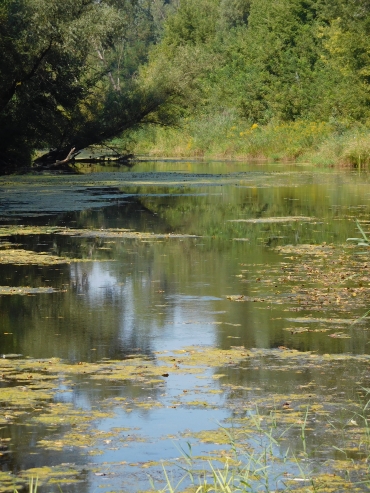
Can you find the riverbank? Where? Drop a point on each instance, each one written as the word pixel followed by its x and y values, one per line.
pixel 223 136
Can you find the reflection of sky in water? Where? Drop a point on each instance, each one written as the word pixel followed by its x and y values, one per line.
pixel 186 319
pixel 99 278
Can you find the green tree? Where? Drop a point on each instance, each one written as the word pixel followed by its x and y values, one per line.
pixel 346 58
pixel 68 77
pixel 283 51
pixel 275 61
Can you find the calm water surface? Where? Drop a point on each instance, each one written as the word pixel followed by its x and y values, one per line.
pixel 141 296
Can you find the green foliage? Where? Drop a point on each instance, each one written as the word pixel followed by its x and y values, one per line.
pixel 68 73
pixel 193 23
pixel 272 62
pixel 364 240
pixel 168 62
pixel 43 77
pixel 32 485
pixel 224 134
pixel 234 12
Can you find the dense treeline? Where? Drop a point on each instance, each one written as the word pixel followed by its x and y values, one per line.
pixel 296 69
pixel 285 59
pixel 79 72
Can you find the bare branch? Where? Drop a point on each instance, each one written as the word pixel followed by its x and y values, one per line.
pixel 110 76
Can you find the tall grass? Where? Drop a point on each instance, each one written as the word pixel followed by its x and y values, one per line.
pixel 225 135
pixel 32 485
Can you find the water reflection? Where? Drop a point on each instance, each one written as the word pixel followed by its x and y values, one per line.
pixel 140 297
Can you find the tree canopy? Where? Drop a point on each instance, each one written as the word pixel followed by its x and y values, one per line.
pixel 79 72
pixel 69 72
pixel 280 60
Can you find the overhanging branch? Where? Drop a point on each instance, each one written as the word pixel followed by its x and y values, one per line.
pixel 9 93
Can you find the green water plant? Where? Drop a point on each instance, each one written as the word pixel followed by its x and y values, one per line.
pixel 257 457
pixel 364 240
pixel 32 485
pixel 247 465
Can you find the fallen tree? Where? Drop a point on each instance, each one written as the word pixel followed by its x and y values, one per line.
pixel 50 162
pixel 123 110
pixel 51 159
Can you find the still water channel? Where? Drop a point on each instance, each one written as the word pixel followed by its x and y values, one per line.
pixel 205 270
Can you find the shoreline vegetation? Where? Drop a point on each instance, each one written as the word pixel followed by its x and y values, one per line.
pixel 256 79
pixel 319 143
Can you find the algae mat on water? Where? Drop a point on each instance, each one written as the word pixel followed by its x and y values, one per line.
pixel 35 195
pixel 20 256
pixel 84 233
pixel 30 388
pixel 324 279
pixel 25 290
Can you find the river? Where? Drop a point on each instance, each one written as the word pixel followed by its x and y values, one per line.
pixel 172 263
